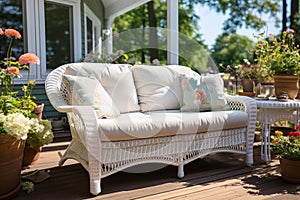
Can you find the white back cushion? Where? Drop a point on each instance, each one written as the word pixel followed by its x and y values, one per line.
pixel 115 78
pixel 159 87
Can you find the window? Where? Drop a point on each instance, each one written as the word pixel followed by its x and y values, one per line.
pixel 89 34
pixel 59 34
pixel 92 32
pixel 54 34
pixel 11 12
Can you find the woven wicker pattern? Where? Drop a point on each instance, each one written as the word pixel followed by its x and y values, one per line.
pixel 270 112
pixel 102 159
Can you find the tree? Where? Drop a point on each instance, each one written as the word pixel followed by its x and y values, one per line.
pixel 284 18
pixel 243 13
pixel 231 49
pixel 154 14
pixel 294 14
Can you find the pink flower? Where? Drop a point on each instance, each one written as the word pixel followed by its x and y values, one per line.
pixel 1 31
pixel 290 31
pixel 199 94
pixel 12 33
pixel 14 71
pixel 231 84
pixel 228 67
pixel 28 58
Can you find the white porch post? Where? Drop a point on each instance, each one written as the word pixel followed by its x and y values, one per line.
pixel 172 25
pixel 109 38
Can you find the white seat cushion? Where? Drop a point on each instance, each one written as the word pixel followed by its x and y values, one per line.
pixel 115 78
pixel 166 123
pixel 159 87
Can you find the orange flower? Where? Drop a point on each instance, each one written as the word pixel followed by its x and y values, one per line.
pixel 12 33
pixel 14 71
pixel 1 31
pixel 28 58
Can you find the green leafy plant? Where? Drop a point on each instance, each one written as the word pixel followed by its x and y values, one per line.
pixel 287 147
pixel 278 55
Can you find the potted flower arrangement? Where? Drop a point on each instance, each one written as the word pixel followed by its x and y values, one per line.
pixel 248 73
pixel 279 56
pixel 287 149
pixel 17 120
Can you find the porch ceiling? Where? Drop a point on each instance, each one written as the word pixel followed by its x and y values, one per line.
pixel 114 8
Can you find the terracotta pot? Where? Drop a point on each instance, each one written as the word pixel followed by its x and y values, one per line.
pixel 39 110
pixel 288 84
pixel 10 165
pixel 290 170
pixel 30 155
pixel 248 85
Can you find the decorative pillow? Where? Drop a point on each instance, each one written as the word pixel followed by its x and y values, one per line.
pixel 203 93
pixel 88 91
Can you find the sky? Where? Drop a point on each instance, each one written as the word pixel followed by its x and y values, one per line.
pixel 211 24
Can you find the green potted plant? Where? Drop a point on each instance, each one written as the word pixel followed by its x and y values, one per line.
pixel 17 120
pixel 279 58
pixel 250 75
pixel 287 149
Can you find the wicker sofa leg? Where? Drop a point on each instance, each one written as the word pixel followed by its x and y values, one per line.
pixel 180 173
pixel 95 171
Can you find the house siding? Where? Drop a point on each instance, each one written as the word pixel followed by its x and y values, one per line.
pixel 40 94
pixel 39 90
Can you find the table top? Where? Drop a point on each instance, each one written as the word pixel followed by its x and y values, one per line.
pixel 275 103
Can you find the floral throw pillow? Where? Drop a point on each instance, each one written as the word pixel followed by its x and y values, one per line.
pixel 88 91
pixel 203 93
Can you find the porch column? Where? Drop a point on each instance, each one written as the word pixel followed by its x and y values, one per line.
pixel 108 35
pixel 172 25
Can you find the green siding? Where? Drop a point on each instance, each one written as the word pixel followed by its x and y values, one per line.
pixel 40 94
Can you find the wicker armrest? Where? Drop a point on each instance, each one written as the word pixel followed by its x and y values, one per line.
pixel 248 105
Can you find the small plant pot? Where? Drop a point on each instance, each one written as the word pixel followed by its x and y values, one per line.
pixel 30 155
pixel 290 170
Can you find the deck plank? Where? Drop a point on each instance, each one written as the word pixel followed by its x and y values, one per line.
pixel 220 176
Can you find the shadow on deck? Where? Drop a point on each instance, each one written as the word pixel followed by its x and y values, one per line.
pixel 218 176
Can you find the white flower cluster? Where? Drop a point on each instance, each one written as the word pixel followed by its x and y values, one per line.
pixel 16 124
pixel 36 126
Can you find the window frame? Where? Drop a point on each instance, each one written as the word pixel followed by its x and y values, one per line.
pixel 96 23
pixel 36 35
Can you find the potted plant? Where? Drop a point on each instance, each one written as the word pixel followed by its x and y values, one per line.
pixel 38 136
pixel 287 149
pixel 248 73
pixel 17 120
pixel 279 58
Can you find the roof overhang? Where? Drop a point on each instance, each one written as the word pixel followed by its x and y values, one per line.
pixel 115 8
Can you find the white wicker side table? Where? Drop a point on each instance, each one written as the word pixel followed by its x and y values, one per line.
pixel 271 111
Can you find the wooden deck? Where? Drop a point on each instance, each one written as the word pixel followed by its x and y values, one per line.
pixel 219 176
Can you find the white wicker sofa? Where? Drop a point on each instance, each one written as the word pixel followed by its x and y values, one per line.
pixel 121 116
